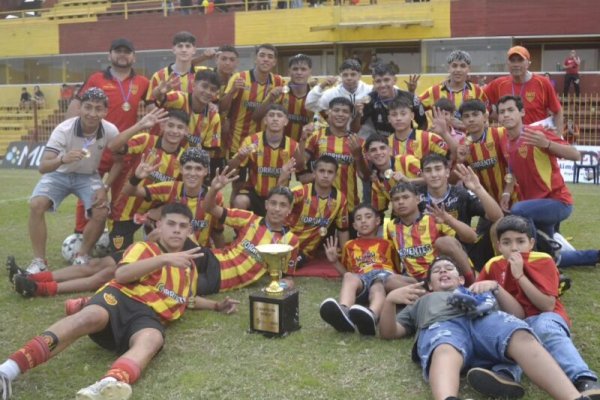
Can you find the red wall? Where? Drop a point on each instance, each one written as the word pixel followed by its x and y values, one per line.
pixel 524 17
pixel 146 31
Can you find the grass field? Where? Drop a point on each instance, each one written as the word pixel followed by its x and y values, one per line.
pixel 211 356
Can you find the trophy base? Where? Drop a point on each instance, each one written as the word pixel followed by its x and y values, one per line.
pixel 274 314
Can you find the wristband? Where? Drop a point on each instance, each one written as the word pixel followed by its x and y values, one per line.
pixel 134 180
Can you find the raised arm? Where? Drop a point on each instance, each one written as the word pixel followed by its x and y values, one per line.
pixel 154 117
pixel 221 179
pixel 493 212
pixel 465 233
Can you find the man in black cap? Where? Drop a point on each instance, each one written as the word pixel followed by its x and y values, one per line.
pixel 125 90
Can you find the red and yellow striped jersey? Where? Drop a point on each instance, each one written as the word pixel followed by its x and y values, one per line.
pixel 442 91
pixel 165 290
pixel 241 264
pixel 245 103
pixel 186 81
pixel 298 115
pixel 419 143
pixel 143 144
pixel 204 128
pixel 311 212
pixel 409 165
pixel 536 170
pixel 323 142
pixel 203 224
pixel 486 158
pixel 364 255
pixel 414 243
pixel 264 165
pixel 539 268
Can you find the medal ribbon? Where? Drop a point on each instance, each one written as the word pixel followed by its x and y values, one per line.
pixel 125 98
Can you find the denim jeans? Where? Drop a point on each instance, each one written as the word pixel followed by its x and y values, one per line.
pixel 544 213
pixel 572 258
pixel 553 332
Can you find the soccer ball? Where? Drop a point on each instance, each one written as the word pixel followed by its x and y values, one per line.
pixel 71 246
pixel 102 248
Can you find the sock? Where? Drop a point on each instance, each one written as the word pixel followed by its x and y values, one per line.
pixel 46 288
pixel 34 353
pixel 10 369
pixel 469 278
pixel 124 370
pixel 45 276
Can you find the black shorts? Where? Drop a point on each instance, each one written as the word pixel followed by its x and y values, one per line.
pixel 121 235
pixel 117 256
pixel 126 317
pixel 257 203
pixel 209 273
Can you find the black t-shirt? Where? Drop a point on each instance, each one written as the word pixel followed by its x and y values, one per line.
pixel 460 203
pixel 377 112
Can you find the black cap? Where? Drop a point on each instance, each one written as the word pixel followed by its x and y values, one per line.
pixel 122 42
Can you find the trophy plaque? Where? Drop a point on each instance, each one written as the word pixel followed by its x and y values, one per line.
pixel 274 311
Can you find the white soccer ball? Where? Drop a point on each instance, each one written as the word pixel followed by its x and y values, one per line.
pixel 102 248
pixel 71 246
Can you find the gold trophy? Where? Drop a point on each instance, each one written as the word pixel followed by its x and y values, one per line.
pixel 276 258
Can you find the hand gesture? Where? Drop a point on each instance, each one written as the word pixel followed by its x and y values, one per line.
pixel 399 176
pixel 227 306
pixel 355 146
pixel 468 176
pixel 439 124
pixel 462 152
pixel 156 116
pixel 412 82
pixel 245 151
pixel 288 169
pixel 145 167
pixel 329 81
pixel 438 212
pixel 535 138
pixel 223 178
pixel 275 92
pixel 239 84
pixel 359 109
pixel 306 131
pixel 407 294
pixel 209 53
pixel 184 259
pixel 483 286
pixel 505 203
pixel 515 261
pixel 167 86
pixel 331 248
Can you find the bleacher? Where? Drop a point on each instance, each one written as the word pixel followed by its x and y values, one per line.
pixel 18 124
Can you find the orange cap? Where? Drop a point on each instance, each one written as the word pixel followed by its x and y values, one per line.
pixel 520 50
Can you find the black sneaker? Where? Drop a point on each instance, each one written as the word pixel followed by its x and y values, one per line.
pixel 13 269
pixel 564 284
pixel 364 319
pixel 336 315
pixel 588 387
pixel 493 384
pixel 25 287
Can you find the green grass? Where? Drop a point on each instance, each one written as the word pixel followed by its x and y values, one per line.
pixel 211 356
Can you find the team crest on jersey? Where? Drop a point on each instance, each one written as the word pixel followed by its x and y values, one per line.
pixel 490 145
pixel 110 299
pixel 530 96
pixel 285 153
pixel 133 88
pixel 118 242
pixel 414 145
pixel 422 229
pixel 523 151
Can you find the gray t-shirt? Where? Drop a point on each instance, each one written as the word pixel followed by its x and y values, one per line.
pixel 426 311
pixel 68 135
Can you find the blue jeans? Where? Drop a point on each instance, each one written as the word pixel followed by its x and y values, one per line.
pixel 570 258
pixel 544 213
pixel 553 332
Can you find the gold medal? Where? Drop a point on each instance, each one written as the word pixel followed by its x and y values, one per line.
pixel 323 231
pixel 285 89
pixel 86 153
pixel 468 141
pixel 509 178
pixel 126 106
pixel 253 148
pixel 388 173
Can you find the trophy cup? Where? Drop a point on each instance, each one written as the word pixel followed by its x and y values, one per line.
pixel 274 310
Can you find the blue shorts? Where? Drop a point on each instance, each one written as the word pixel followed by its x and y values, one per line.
pixel 367 281
pixel 57 185
pixel 483 342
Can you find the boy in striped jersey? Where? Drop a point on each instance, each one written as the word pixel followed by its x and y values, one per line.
pixel 153 285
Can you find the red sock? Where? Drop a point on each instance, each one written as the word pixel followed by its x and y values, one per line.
pixel 45 276
pixel 34 353
pixel 469 278
pixel 124 370
pixel 46 288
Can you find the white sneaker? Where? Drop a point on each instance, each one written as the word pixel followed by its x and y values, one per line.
pixel 105 389
pixel 81 259
pixel 5 389
pixel 37 265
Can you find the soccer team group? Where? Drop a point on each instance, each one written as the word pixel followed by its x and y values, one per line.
pixel 482 300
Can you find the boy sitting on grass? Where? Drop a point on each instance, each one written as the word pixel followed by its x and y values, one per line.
pixel 367 266
pixel 531 278
pixel 449 341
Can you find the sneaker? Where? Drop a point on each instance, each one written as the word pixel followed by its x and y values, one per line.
pixel 105 390
pixel 5 389
pixel 24 286
pixel 494 384
pixel 474 305
pixel 336 315
pixel 588 387
pixel 364 319
pixel 13 269
pixel 81 259
pixel 564 284
pixel 73 306
pixel 37 265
